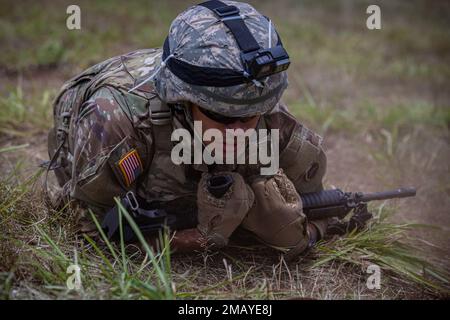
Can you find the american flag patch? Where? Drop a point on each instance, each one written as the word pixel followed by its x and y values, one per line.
pixel 131 166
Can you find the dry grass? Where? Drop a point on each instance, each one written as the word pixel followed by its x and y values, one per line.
pixel 380 99
pixel 38 244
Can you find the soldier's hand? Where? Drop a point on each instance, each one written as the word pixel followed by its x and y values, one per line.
pixel 219 217
pixel 277 218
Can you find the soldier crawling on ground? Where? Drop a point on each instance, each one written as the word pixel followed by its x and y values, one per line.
pixel 223 64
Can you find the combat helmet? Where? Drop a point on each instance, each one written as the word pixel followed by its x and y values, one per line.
pixel 225 57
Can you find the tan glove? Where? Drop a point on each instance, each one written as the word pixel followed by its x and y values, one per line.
pixel 219 217
pixel 276 217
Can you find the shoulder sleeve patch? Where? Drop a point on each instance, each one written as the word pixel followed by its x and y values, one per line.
pixel 130 166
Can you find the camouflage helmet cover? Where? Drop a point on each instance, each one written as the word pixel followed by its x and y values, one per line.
pixel 197 36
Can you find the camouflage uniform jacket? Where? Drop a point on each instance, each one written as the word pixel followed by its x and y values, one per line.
pixel 107 141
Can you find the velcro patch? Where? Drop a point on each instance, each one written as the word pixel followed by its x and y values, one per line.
pixel 314 138
pixel 130 166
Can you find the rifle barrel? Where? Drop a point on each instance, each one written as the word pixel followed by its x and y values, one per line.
pixel 397 193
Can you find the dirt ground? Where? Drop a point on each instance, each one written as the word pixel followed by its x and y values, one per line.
pixel 364 153
pixel 352 166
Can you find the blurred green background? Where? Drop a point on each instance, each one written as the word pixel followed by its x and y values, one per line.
pixel 341 71
pixel 380 98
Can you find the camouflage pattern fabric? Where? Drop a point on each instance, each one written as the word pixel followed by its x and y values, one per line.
pixel 98 123
pixel 198 37
pixel 110 123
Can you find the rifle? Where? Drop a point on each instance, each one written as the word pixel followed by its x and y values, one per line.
pixel 324 204
pixel 337 204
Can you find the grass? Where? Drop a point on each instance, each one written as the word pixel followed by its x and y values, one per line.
pixel 387 245
pixel 368 117
pixel 38 39
pixel 381 92
pixel 39 244
pixel 42 247
pixel 35 38
pixel 30 111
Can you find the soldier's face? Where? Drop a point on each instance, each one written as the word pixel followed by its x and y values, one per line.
pixel 208 123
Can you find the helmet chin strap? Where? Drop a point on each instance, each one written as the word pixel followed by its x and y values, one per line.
pixel 188 114
pixel 185 111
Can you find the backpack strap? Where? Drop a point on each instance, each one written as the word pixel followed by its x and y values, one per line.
pixel 161 118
